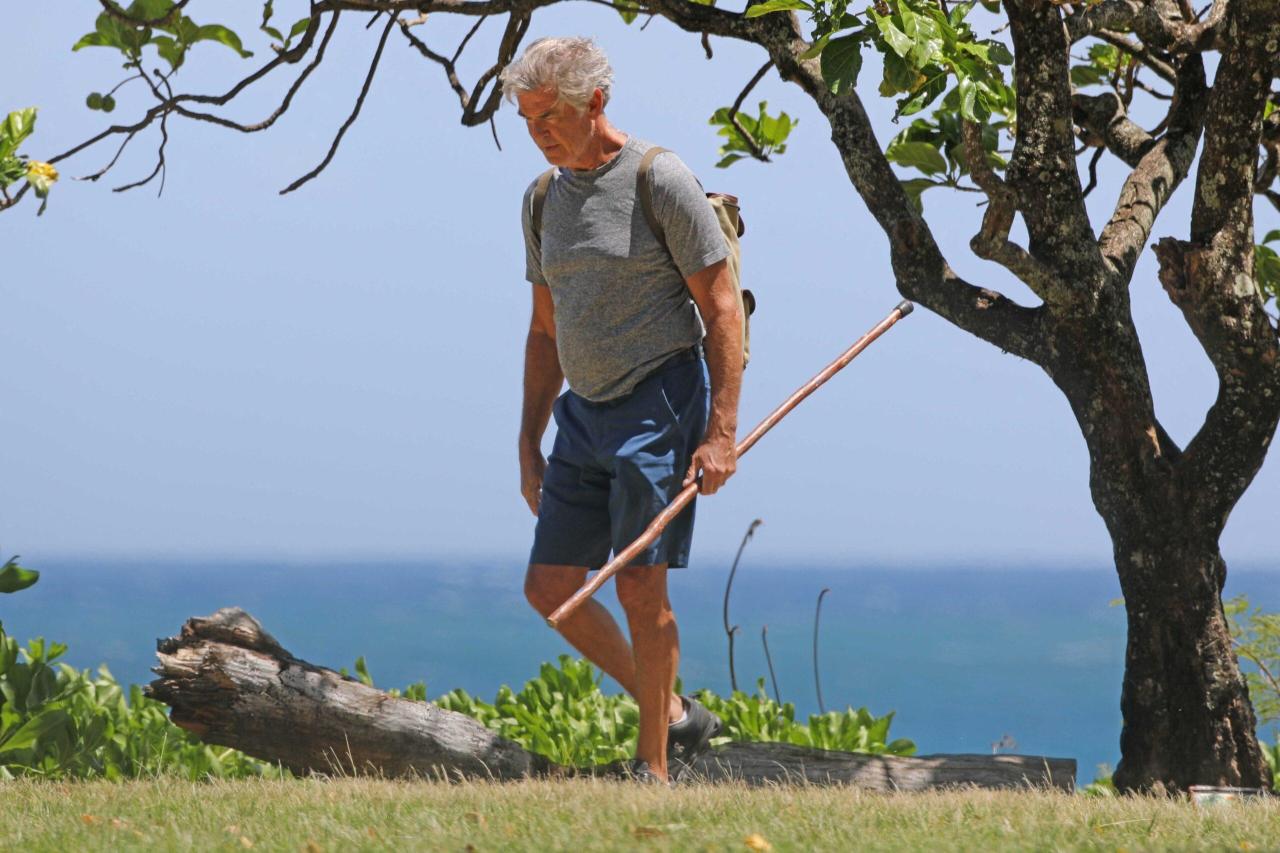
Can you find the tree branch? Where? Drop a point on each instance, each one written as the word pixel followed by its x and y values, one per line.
pixel 1107 124
pixel 750 140
pixel 1210 277
pixel 355 112
pixel 992 242
pixel 1159 23
pixel 1042 170
pixel 1158 171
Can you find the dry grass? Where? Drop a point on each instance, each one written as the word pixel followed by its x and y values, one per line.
pixel 353 814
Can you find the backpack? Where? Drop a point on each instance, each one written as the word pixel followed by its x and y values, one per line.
pixel 727 214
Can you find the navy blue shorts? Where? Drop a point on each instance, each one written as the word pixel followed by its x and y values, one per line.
pixel 616 465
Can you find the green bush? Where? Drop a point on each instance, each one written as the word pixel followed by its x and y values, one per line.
pixel 564 715
pixel 60 722
pixel 759 718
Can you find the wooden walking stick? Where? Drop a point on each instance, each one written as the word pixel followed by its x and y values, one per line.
pixel 655 528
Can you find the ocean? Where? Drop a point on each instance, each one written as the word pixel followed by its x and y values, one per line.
pixel 967 658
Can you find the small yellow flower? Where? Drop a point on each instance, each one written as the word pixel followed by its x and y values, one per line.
pixel 756 841
pixel 36 169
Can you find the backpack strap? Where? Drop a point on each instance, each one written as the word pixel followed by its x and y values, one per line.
pixel 538 201
pixel 644 192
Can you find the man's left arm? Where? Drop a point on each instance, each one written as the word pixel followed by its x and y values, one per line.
pixel 718 303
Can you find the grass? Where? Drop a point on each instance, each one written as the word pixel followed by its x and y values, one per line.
pixel 581 815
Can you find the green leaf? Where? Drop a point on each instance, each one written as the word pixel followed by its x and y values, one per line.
pixel 959 12
pixel 94 39
pixel 1272 235
pixel 926 94
pixel 274 33
pixel 170 51
pixel 914 188
pixel 999 53
pixel 299 27
pixel 222 35
pixel 362 672
pixel 30 732
pixel 918 155
pixel 898 41
pixel 13 577
pixel 817 47
pixel 778 6
pixel 18 126
pixel 1085 75
pixel 628 9
pixel 898 76
pixel 148 10
pixel 841 63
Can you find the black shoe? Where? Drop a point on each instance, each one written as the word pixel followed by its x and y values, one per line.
pixel 638 770
pixel 692 735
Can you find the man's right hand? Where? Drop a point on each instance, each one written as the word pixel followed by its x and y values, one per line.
pixel 533 465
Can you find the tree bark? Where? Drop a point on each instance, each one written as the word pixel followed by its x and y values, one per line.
pixel 1187 715
pixel 231 683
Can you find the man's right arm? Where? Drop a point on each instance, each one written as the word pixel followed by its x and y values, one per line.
pixel 542 380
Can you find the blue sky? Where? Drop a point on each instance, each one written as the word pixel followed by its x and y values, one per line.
pixel 336 372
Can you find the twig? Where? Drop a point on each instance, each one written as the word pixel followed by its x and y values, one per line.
pixel 1162 69
pixel 1262 667
pixel 746 537
pixel 764 638
pixel 756 151
pixel 122 82
pixel 463 45
pixel 160 167
pixel 706 44
pixel 364 91
pixel 1153 92
pixel 96 175
pixel 733 677
pixel 1093 170
pixel 817 679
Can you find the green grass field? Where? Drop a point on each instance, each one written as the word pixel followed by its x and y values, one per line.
pixel 581 815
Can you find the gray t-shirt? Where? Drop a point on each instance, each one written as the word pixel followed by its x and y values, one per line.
pixel 621 302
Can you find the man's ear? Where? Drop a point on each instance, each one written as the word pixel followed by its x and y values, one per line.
pixel 596 105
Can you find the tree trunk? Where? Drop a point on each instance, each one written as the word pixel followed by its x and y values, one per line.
pixel 229 681
pixel 1185 705
pixel 1187 716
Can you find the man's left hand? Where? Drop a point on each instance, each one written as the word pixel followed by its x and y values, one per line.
pixel 717 458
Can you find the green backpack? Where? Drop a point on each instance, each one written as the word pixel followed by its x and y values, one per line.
pixel 727 214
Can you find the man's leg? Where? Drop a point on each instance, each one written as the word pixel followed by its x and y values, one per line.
pixel 591 629
pixel 642 590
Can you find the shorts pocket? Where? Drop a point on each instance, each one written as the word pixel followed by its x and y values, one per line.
pixel 674 387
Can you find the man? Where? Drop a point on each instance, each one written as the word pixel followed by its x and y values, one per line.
pixel 614 314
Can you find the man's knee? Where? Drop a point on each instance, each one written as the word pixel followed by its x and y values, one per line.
pixel 642 592
pixel 547 587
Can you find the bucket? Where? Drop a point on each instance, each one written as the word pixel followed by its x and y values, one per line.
pixel 1214 795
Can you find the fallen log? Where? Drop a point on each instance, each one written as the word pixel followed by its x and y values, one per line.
pixel 231 683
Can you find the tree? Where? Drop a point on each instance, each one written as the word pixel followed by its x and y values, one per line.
pixel 1016 138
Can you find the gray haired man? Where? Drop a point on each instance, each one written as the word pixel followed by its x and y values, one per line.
pixel 649 338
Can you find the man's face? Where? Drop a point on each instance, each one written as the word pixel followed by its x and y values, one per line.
pixel 559 131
